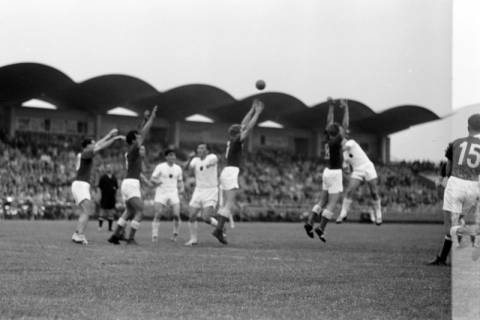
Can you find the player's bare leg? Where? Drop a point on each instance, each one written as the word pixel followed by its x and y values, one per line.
pixel 353 185
pixel 119 232
pixel 158 210
pixel 193 226
pixel 327 215
pixel 224 215
pixel 316 210
pixel 441 258
pixel 208 216
pixel 137 204
pixel 87 208
pixel 176 221
pixel 377 204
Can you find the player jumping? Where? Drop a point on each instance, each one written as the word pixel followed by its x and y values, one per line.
pixel 362 170
pixel 332 184
pixel 130 186
pixel 229 176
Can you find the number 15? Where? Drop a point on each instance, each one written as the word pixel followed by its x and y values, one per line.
pixel 473 157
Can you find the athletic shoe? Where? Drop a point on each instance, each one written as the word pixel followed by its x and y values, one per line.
pixel 308 229
pixel 191 243
pixel 220 236
pixel 437 262
pixel 132 242
pixel 341 219
pixel 174 237
pixel 114 239
pixel 320 234
pixel 79 238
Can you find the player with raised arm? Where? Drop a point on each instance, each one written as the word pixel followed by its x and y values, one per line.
pixel 362 170
pixel 229 176
pixel 332 184
pixel 81 185
pixel 205 196
pixel 463 190
pixel 130 187
pixel 168 177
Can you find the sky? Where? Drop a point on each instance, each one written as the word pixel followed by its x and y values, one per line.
pixel 383 53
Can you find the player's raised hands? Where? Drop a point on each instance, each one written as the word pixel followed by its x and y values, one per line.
pixel 154 111
pixel 258 105
pixel 113 132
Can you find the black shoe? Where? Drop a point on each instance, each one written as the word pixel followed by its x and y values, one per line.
pixel 132 242
pixel 113 239
pixel 320 234
pixel 340 220
pixel 308 229
pixel 220 236
pixel 437 262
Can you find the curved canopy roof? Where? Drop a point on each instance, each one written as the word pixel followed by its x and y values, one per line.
pixel 24 81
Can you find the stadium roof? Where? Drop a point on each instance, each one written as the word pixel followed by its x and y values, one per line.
pixel 24 81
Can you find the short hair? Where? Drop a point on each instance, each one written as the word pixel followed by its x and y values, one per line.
pixel 474 122
pixel 131 136
pixel 234 129
pixel 86 142
pixel 168 151
pixel 204 144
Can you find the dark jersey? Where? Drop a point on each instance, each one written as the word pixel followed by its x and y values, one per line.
pixel 464 156
pixel 234 152
pixel 134 162
pixel 108 187
pixel 335 160
pixel 84 167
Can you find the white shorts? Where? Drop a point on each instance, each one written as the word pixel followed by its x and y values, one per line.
pixel 460 195
pixel 204 197
pixel 81 191
pixel 332 180
pixel 166 196
pixel 130 188
pixel 229 178
pixel 365 172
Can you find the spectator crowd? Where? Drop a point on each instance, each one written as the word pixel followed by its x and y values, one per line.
pixel 37 174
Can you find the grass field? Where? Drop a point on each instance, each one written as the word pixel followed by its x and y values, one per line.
pixel 269 271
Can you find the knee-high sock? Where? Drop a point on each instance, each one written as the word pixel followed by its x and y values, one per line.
pixel 346 204
pixel 377 205
pixel 447 245
pixel 176 225
pixel 193 227
pixel 134 225
pixel 155 227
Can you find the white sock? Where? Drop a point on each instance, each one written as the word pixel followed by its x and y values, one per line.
pixel 155 227
pixel 176 226
pixel 213 221
pixel 345 207
pixel 378 209
pixel 317 209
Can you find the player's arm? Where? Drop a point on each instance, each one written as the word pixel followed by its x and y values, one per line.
pixel 146 180
pixel 257 110
pixel 156 175
pixel 449 156
pixel 212 161
pixel 346 115
pixel 180 184
pixel 330 114
pixel 147 126
pixel 106 143
pixel 248 116
pixel 188 164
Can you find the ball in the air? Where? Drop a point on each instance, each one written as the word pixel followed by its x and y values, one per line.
pixel 260 84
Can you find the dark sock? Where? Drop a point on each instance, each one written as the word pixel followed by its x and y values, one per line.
pixel 110 223
pixel 221 222
pixel 323 223
pixel 472 238
pixel 131 236
pixel 447 245
pixel 459 238
pixel 119 231
pixel 100 223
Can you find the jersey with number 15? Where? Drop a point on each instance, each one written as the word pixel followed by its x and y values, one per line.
pixel 464 156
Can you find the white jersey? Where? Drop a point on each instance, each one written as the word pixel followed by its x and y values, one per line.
pixel 169 176
pixel 354 155
pixel 206 172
